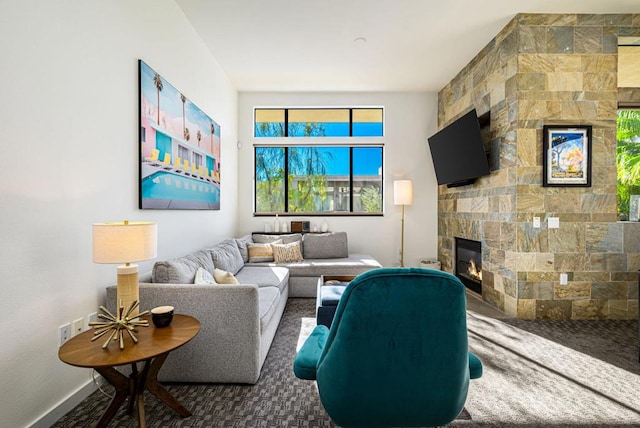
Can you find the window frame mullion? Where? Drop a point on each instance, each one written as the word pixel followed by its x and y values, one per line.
pixel 351 179
pixel 286 179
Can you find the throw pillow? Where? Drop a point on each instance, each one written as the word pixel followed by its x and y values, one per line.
pixel 203 276
pixel 261 252
pixel 242 243
pixel 287 253
pixel 181 270
pixel 226 256
pixel 224 277
pixel 325 245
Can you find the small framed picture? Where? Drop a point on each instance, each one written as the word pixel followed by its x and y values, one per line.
pixel 566 159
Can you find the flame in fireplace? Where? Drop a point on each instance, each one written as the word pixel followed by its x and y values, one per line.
pixel 473 271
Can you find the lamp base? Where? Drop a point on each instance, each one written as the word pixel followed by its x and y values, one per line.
pixel 128 291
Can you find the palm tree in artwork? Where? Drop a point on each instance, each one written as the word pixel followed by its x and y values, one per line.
pixel 157 80
pixel 213 133
pixel 184 126
pixel 199 137
pixel 186 134
pixel 557 148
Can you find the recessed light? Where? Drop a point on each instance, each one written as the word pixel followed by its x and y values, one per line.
pixel 360 40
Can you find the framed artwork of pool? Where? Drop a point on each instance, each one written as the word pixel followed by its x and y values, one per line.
pixel 179 148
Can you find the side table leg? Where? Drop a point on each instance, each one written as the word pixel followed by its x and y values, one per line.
pixel 154 387
pixel 121 384
pixel 133 380
pixel 140 384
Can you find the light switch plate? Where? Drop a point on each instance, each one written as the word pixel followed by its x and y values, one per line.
pixel 536 222
pixel 553 222
pixel 563 279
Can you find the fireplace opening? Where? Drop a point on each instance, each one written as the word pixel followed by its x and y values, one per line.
pixel 469 264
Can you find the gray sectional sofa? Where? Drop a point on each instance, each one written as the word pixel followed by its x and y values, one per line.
pixel 239 321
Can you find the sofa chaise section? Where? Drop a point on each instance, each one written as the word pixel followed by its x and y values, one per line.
pixel 303 276
pixel 324 254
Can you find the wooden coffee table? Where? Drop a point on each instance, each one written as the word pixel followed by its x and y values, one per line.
pixel 153 347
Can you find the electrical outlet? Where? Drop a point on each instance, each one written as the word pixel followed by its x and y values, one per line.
pixel 564 278
pixel 92 317
pixel 64 333
pixel 78 326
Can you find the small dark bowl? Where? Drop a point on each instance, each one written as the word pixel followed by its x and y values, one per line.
pixel 162 316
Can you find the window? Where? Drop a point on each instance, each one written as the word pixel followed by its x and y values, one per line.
pixel 309 178
pixel 628 163
pixel 628 132
pixel 183 152
pixel 197 159
pixel 318 122
pixel 316 179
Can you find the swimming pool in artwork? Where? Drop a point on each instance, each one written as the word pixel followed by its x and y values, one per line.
pixel 165 185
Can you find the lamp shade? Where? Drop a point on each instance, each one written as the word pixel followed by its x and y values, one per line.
pixel 124 242
pixel 402 192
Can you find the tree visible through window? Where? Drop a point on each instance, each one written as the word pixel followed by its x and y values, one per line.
pixel 319 179
pixel 628 159
pixel 269 182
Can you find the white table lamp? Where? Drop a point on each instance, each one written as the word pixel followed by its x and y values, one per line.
pixel 402 195
pixel 125 242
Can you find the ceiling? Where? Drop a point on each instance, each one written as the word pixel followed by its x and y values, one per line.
pixel 359 45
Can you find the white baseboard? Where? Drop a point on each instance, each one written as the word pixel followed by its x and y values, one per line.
pixel 64 407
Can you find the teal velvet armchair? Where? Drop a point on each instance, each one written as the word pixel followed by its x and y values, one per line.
pixel 396 353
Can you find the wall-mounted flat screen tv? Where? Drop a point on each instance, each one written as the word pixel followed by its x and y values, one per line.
pixel 458 153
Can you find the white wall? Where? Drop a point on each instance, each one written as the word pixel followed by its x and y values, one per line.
pixel 409 119
pixel 69 139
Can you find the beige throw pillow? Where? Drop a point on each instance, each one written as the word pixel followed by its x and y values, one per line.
pixel 203 276
pixel 224 277
pixel 287 253
pixel 261 252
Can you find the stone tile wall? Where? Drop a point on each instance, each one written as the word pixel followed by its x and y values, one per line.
pixel 545 69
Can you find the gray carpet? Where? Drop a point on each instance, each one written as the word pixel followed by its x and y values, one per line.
pixel 537 374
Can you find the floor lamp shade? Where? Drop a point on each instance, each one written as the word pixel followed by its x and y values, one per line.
pixel 125 242
pixel 402 192
pixel 402 195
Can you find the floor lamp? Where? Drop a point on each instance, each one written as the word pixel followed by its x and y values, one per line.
pixel 125 242
pixel 402 195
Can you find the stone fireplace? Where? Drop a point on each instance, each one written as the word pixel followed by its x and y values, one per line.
pixel 469 264
pixel 556 70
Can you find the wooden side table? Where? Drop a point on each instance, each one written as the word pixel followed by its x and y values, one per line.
pixel 153 347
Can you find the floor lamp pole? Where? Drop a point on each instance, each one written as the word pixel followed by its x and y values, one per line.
pixel 402 240
pixel 402 195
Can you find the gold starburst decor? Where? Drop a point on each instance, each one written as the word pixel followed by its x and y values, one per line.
pixel 126 321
